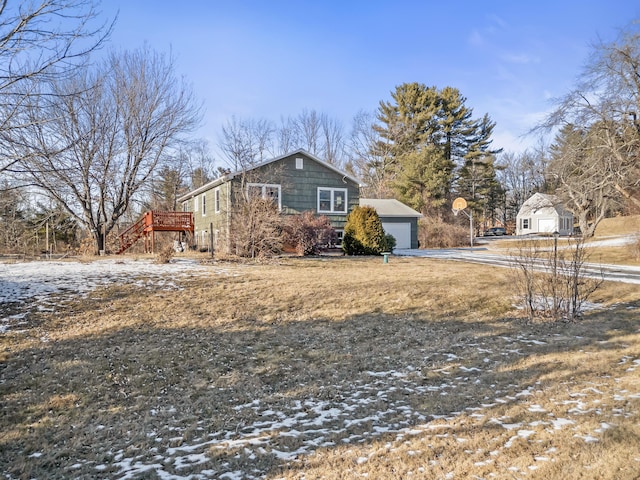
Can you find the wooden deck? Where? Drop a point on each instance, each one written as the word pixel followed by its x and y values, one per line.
pixel 155 221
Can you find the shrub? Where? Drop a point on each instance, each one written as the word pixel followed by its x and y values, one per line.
pixel 552 282
pixel 389 243
pixel 363 233
pixel 434 232
pixel 307 233
pixel 257 228
pixel 165 254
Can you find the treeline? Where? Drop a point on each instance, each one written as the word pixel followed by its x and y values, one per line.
pixel 88 141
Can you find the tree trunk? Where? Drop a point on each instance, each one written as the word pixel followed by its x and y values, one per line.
pixel 99 238
pixel 586 229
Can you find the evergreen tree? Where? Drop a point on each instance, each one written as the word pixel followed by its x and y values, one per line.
pixel 477 180
pixel 363 233
pixel 424 133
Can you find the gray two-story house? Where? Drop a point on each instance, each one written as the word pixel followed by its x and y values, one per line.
pixel 296 182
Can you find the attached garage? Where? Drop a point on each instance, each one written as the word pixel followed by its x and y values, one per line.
pixel 397 219
pixel 400 231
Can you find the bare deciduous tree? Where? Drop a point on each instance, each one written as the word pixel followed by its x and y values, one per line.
pixel 521 175
pixel 320 135
pixel 583 175
pixel 40 41
pixel 368 156
pixel 195 161
pixel 333 141
pixel 246 142
pixel 309 128
pixel 286 136
pixel 94 144
pixel 606 102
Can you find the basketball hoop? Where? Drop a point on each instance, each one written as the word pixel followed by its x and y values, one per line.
pixel 459 204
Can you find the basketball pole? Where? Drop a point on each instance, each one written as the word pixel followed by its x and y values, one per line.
pixel 459 205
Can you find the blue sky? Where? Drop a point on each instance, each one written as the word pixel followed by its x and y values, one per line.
pixel 272 59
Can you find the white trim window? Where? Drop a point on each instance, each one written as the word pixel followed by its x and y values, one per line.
pixel 196 202
pixel 525 223
pixel 266 191
pixel 332 200
pixel 216 200
pixel 204 204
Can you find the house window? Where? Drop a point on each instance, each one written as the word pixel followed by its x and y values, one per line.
pixel 204 204
pixel 266 191
pixel 332 200
pixel 196 202
pixel 299 163
pixel 216 200
pixel 524 223
pixel 185 206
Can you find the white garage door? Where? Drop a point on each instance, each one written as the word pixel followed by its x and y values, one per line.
pixel 401 232
pixel 546 224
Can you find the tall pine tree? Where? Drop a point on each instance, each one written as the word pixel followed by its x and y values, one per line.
pixel 425 133
pixel 477 181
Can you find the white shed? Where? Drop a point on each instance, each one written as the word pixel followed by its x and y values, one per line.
pixel 544 214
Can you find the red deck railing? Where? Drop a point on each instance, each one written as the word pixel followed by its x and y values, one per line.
pixel 155 221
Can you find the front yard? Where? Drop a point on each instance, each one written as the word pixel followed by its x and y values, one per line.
pixel 309 368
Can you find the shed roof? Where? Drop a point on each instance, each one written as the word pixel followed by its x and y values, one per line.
pixel 542 201
pixel 389 207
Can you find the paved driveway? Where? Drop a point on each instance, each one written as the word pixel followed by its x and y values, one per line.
pixel 614 273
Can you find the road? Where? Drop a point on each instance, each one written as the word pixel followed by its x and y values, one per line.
pixel 613 273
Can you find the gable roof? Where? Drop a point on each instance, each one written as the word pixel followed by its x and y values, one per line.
pixel 390 207
pixel 541 201
pixel 230 176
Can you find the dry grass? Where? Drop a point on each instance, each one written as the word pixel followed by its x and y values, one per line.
pixel 117 381
pixel 618 226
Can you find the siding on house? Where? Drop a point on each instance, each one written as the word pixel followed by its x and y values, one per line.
pixel 299 187
pixel 297 177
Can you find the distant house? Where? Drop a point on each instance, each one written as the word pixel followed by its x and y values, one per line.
pixel 296 182
pixel 397 219
pixel 543 213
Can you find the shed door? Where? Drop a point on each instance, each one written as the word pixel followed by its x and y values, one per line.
pixel 546 225
pixel 401 232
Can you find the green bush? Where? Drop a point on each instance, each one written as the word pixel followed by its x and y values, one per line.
pixel 363 233
pixel 389 243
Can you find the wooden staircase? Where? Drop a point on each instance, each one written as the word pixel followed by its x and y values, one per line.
pixel 155 221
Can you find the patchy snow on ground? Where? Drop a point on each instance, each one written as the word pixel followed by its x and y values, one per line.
pixel 316 423
pixel 43 283
pixel 614 241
